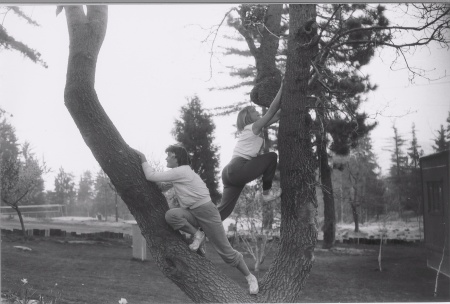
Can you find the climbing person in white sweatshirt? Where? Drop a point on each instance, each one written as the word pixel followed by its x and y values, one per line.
pixel 196 209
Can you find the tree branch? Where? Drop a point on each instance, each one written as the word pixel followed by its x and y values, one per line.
pixel 251 44
pixel 214 40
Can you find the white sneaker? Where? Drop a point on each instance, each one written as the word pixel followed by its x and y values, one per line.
pixel 269 197
pixel 253 284
pixel 199 238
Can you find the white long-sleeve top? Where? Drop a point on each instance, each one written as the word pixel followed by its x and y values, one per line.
pixel 189 188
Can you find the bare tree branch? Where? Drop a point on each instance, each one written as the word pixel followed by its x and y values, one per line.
pixel 214 40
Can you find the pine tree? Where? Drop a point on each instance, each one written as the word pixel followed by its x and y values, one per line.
pixel 337 91
pixel 398 171
pixel 448 128
pixel 398 158
pixel 65 190
pixel 85 193
pixel 104 195
pixel 195 131
pixel 363 188
pixel 414 150
pixel 34 181
pixel 412 178
pixel 440 141
pixel 8 42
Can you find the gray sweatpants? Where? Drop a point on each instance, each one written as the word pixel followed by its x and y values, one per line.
pixel 206 216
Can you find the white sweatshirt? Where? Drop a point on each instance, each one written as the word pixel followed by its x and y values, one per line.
pixel 189 188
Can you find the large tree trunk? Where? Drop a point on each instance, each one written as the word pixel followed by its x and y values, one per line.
pixel 193 274
pixel 294 259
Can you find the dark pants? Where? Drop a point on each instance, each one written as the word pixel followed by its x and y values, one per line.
pixel 241 171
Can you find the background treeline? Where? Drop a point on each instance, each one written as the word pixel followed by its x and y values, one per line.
pixel 361 191
pixel 364 193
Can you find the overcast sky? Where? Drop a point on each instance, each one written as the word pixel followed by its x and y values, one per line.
pixel 153 58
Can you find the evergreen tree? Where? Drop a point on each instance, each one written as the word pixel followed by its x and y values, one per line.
pixel 362 186
pixel 398 157
pixel 398 172
pixel 337 91
pixel 195 131
pixel 413 176
pixel 448 128
pixel 440 141
pixel 412 180
pixel 414 150
pixel 104 195
pixel 85 193
pixel 8 42
pixel 65 193
pixel 35 182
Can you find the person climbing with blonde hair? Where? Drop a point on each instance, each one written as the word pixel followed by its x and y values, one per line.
pixel 246 163
pixel 196 209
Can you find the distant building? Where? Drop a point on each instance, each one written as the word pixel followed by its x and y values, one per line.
pixel 435 171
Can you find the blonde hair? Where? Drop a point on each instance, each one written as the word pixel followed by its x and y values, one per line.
pixel 243 119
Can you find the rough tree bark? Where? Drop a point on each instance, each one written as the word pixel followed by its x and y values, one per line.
pixel 294 259
pixel 268 77
pixel 194 275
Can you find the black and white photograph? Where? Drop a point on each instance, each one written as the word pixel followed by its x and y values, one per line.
pixel 147 147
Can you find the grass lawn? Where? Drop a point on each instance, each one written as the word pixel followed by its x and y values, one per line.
pixel 104 272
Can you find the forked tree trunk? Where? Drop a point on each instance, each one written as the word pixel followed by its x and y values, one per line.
pixel 268 77
pixel 194 275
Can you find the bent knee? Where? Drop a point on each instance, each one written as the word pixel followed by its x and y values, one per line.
pixel 171 215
